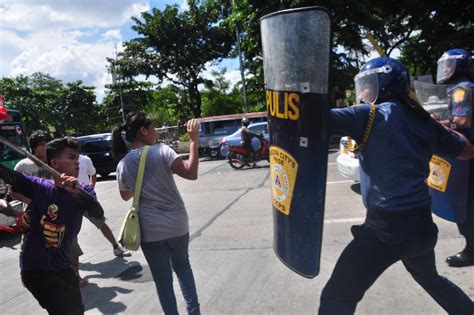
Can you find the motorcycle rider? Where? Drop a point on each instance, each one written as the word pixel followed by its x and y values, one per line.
pixel 455 67
pixel 246 135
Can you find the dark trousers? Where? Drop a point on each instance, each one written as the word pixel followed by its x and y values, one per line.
pixel 248 145
pixel 57 291
pixel 367 257
pixel 466 228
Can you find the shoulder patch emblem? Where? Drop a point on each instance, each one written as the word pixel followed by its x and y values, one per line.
pixel 459 96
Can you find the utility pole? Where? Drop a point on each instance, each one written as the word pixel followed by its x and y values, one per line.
pixel 114 79
pixel 244 92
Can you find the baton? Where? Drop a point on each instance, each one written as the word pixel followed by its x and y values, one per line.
pixel 41 164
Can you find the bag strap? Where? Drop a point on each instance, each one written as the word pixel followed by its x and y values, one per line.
pixel 141 170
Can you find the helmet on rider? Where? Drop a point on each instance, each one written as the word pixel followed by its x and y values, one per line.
pixel 453 64
pixel 380 79
pixel 245 122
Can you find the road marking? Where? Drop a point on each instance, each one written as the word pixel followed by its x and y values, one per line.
pixel 332 163
pixel 346 220
pixel 342 181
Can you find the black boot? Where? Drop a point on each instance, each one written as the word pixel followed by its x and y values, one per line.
pixel 464 258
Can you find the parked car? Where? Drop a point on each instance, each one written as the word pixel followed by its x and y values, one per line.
pixel 347 161
pixel 235 138
pixel 98 148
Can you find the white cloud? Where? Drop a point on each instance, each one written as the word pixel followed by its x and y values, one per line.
pixel 184 6
pixel 10 46
pixel 30 15
pixel 70 40
pixel 69 60
pixel 113 34
pixel 233 76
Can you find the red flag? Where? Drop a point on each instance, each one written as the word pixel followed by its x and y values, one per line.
pixel 3 110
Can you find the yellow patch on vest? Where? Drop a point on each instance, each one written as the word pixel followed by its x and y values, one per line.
pixel 459 95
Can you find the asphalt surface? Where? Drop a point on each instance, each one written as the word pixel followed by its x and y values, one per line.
pixel 231 253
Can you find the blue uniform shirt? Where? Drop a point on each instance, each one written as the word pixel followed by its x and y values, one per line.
pixel 395 160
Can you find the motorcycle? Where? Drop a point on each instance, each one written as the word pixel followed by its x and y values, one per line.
pixel 239 156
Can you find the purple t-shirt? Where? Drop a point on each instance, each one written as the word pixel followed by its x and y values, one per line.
pixel 55 220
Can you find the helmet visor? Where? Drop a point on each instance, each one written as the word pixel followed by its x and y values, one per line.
pixel 367 87
pixel 446 67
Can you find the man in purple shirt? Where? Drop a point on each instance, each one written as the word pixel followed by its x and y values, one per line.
pixel 56 212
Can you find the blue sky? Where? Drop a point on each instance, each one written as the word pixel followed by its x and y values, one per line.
pixel 71 39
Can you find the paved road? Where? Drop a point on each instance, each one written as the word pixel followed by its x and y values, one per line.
pixel 231 253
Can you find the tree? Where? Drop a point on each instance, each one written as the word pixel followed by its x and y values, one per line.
pixel 177 45
pixel 78 111
pixel 134 95
pixel 36 97
pixel 421 30
pixel 445 25
pixel 247 14
pixel 217 99
pixel 168 104
pixel 46 103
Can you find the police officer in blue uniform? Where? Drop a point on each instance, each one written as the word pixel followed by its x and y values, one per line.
pixel 394 163
pixel 455 67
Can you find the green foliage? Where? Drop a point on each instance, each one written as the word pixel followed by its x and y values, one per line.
pixel 422 30
pixel 217 99
pixel 135 96
pixel 184 137
pixel 441 26
pixel 168 105
pixel 176 45
pixel 47 103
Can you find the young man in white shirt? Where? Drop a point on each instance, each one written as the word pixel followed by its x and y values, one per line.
pixel 87 174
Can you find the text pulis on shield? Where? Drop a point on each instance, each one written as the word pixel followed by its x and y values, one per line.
pixel 283 105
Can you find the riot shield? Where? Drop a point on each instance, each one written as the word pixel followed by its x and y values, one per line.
pixel 296 45
pixel 433 97
pixel 448 180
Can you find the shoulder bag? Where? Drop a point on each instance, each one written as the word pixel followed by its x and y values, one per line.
pixel 130 231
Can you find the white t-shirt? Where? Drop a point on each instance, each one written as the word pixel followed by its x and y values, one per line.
pixel 86 169
pixel 28 167
pixel 161 210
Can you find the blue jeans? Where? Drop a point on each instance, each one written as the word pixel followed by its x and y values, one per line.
pixel 367 257
pixel 163 257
